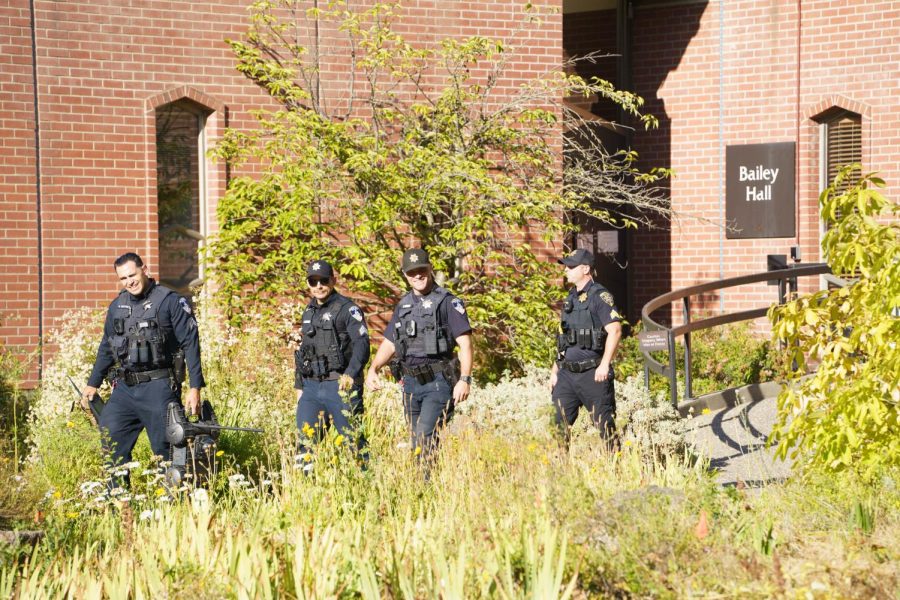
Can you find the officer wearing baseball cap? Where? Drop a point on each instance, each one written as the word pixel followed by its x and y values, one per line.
pixel 430 336
pixel 589 334
pixel 334 350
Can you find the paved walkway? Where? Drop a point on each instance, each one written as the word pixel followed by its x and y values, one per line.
pixel 734 438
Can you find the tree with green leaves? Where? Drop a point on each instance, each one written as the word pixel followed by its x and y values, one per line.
pixel 846 414
pixel 423 149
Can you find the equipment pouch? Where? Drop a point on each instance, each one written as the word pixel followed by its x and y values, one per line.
pixel 119 326
pixel 599 339
pixel 451 372
pixel 178 367
pixel 431 342
pixel 394 367
pixel 410 329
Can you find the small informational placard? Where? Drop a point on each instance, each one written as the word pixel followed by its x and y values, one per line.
pixel 653 341
pixel 760 191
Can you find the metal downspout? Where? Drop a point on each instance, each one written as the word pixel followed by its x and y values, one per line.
pixel 38 208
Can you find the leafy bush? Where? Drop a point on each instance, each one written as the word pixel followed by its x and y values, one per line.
pixel 721 358
pixel 459 167
pixel 847 413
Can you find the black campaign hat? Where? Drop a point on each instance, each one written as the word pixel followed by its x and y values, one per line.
pixel 414 258
pixel 320 268
pixel 577 257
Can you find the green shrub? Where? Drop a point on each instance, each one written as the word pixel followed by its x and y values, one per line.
pixel 721 358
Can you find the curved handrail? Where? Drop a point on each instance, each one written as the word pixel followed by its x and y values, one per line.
pixel 785 278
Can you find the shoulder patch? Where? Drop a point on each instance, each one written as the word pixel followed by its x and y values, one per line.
pixel 184 305
pixel 458 306
pixel 614 314
pixel 363 331
pixel 607 297
pixel 356 313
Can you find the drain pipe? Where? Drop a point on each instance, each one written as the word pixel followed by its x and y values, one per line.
pixel 37 178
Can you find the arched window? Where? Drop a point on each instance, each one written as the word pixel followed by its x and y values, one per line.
pixel 181 191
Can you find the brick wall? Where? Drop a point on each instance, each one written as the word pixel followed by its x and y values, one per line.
pixel 744 87
pixel 18 197
pixel 103 68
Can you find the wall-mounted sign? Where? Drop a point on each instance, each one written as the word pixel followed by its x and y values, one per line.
pixel 760 194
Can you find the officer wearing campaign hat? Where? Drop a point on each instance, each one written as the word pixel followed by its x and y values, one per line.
pixel 589 334
pixel 334 350
pixel 430 336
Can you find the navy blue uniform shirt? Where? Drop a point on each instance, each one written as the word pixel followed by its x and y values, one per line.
pixel 174 314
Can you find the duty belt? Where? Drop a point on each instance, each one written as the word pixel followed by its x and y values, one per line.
pixel 330 376
pixel 135 377
pixel 579 366
pixel 424 373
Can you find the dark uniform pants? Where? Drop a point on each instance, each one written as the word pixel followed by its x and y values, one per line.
pixel 574 390
pixel 321 405
pixel 427 407
pixel 133 408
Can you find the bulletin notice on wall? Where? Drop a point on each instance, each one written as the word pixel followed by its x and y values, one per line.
pixel 760 190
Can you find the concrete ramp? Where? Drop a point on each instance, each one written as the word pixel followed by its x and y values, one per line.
pixel 734 433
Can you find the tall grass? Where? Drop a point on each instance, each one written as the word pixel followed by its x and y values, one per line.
pixel 506 512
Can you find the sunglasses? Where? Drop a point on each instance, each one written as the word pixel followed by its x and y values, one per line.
pixel 316 281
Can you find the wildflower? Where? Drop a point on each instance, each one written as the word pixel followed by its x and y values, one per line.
pixel 266 482
pixel 89 486
pixel 140 497
pixel 418 450
pixel 132 465
pixel 200 496
pixel 220 453
pixel 148 471
pixel 120 472
pixel 70 424
pixel 116 491
pixel 57 494
pixel 235 478
pixel 148 514
pixel 338 440
pixel 72 515
pixel 627 442
pixel 160 492
pixel 706 411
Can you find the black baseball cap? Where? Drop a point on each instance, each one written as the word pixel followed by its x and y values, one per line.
pixel 577 257
pixel 414 258
pixel 320 268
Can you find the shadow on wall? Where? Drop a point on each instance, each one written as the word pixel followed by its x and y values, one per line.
pixel 650 39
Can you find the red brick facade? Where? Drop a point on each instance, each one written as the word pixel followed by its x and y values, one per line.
pixel 715 73
pixel 102 68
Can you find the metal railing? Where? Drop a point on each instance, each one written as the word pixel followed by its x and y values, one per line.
pixel 787 281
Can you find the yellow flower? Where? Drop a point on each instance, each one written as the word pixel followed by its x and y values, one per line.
pixel 307 430
pixel 338 440
pixel 706 411
pixel 57 494
pixel 627 442
pixel 418 450
pixel 72 515
pixel 70 424
pixel 160 492
pixel 220 453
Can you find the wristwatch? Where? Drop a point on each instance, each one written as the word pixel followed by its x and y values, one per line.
pixel 466 379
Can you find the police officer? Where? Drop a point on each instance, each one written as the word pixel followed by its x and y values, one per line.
pixel 588 338
pixel 428 324
pixel 331 358
pixel 149 333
